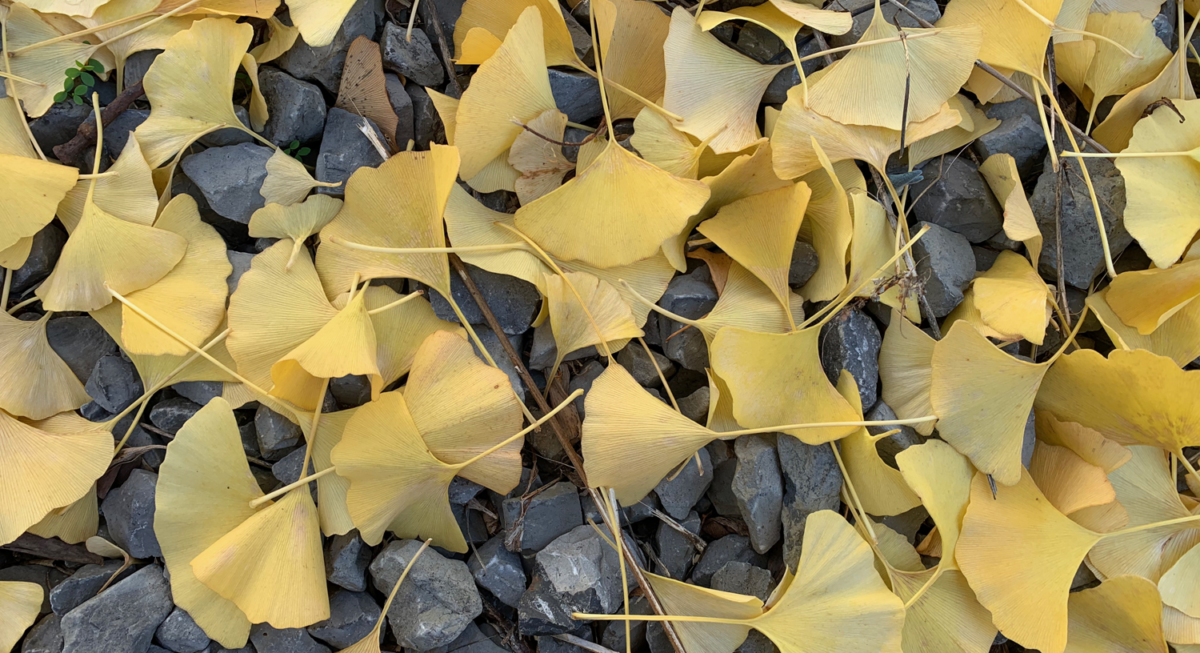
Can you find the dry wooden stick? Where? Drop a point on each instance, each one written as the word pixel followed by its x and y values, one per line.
pixel 85 136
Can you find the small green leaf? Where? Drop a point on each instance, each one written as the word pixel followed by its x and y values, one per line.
pixel 294 144
pixel 79 90
pixel 87 42
pixel 96 66
pixel 77 100
pixel 79 65
pixel 73 73
pixel 88 79
pixel 68 84
pixel 60 96
pixel 303 152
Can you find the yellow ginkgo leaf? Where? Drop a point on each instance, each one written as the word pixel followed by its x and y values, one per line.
pixel 298 221
pixel 74 8
pixel 190 86
pixel 40 70
pixel 681 598
pixel 715 88
pixel 974 125
pixel 78 521
pixel 331 488
pixel 34 381
pixel 319 20
pixel 906 371
pixel 46 470
pixel 13 139
pixel 400 329
pixel 478 46
pixel 882 84
pixel 512 85
pixel 659 143
pixel 623 209
pixel 631 35
pixel 1019 554
pixel 874 242
pixel 1013 299
pixel 281 40
pixel 829 225
pixel 1112 70
pixel 32 191
pixel 778 379
pixel 1145 299
pixel 288 182
pixel 941 477
pixel 190 299
pixel 20 604
pixel 541 163
pixel 129 194
pixel 947 617
pixel 398 204
pixel 881 489
pixel 1177 338
pixel 760 231
pixel 1178 584
pixel 747 303
pixel 1000 172
pixel 498 17
pixel 133 27
pixel 1069 482
pixel 1116 129
pixel 259 114
pixel 1123 614
pixel 982 397
pixel 1022 44
pixel 830 22
pixel 462 407
pixel 254 8
pixel 1089 445
pixel 602 318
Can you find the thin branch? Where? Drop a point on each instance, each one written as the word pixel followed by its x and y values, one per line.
pixel 432 19
pixel 85 136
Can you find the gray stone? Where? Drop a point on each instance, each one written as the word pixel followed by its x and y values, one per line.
pixel 1019 135
pixel 578 572
pixel 954 195
pixel 142 438
pixel 43 255
pixel 352 615
pixel 462 490
pixel 287 470
pixel 123 618
pixel 743 578
pixel 324 65
pixel 346 560
pixel 277 435
pixel 812 481
pixel 688 348
pixel 543 350
pixel 946 264
pixel 46 577
pixel 81 342
pixel 241 265
pixel 720 493
pixel 637 362
pixel 129 512
pixel 288 640
pixel 414 59
pixel 731 548
pixel 230 135
pixel 116 133
pixel 984 257
pixel 59 124
pixel 907 523
pixel 679 495
pixel 630 514
pixel 437 601
pixel 675 550
pixel 851 342
pixel 1082 250
pixel 758 43
pixel 473 640
pixel 297 108
pixel 551 644
pixel 576 94
pixel 402 105
pixel 351 391
pixel 758 486
pixel 613 635
pixel 695 405
pixel 82 585
pixel 499 571
pixel 114 384
pixel 533 523
pixel 345 149
pixel 199 392
pixel 926 9
pixel 491 343
pixel 170 414
pixel 426 122
pixel 893 444
pixel 45 637
pixel 179 633
pixel 514 301
pixel 135 69
pixel 583 381
pixel 691 295
pixel 804 264
pixel 1028 440
pixel 789 77
pixel 230 178
pixel 756 642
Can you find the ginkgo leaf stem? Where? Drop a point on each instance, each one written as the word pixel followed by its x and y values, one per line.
pixel 8 274
pixel 23 304
pixel 100 175
pixel 396 588
pixel 727 435
pixel 426 250
pixel 661 377
pixel 522 433
pixel 614 522
pixel 1070 337
pixel 1188 465
pixel 292 486
pixel 22 80
pixel 99 149
pixel 864 44
pixel 83 32
pixel 658 309
pixel 599 56
pixel 1152 525
pixel 862 512
pixel 643 101
pixel 1124 155
pixel 660 617
pixel 1099 37
pixel 924 588
pixel 879 436
pixel 129 32
pixel 403 300
pixel 137 418
pixel 297 244
pixel 412 18
pixel 12 90
pixel 316 423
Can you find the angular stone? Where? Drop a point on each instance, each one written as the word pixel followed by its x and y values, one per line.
pixel 552 644
pixel 691 295
pixel 230 135
pixel 81 342
pixel 812 481
pixel 679 495
pixel 543 351
pixel 786 79
pixel 179 633
pixel 82 585
pixel 758 486
pixel 499 571
pixel 743 578
pixel 583 381
pixel 324 65
pixel 352 615
pixel 688 348
pixel 731 548
pixel 46 577
pixel 437 601
pixel 851 342
pixel 116 133
pixel 954 195
pixel 129 512
pixel 170 414
pixel 136 66
pixel 45 637
pixel 123 618
pixel 1019 135
pixel 946 264
pixel 675 550
pixel 43 255
pixel 346 561
pixel 576 94
pixel 637 362
pixel 288 640
pixel 414 59
pixel 613 635
pixel 345 149
pixel 114 384
pixel 277 435
pixel 695 405
pixel 199 392
pixel 542 518
pixel 230 178
pixel 578 572
pixel 427 125
pixel 241 265
pixel 513 301
pixel 59 124
pixel 926 9
pixel 287 470
pixel 402 105
pixel 720 493
pixel 893 444
pixel 297 108
pixel 491 343
pixel 804 264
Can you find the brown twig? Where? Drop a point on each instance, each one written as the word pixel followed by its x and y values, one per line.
pixel 85 137
pixel 922 300
pixel 585 141
pixel 431 18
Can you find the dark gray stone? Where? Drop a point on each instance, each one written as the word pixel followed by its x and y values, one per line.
pixel 352 615
pixel 426 122
pixel 812 481
pixel 402 105
pixel 926 9
pixel 1019 135
pixel 544 350
pixel 82 585
pixel 637 362
pixel 324 65
pixel 851 342
pixel 171 414
pixel 583 381
pixel 804 264
pixel 630 514
pixel 136 66
pixel 437 601
pixel 758 486
pixel 679 495
pixel 140 437
pixel 230 178
pixel 743 578
pixel 893 444
pixel 114 384
pixel 954 195
pixel 288 640
pixel 179 633
pixel 907 523
pixel 46 577
pixel 542 518
pixel 351 391
pixel 491 343
pixel 297 108
pixel 789 77
pixel 230 135
pixel 123 618
pixel 946 264
pixel 199 392
pixel 613 634
pixel 1082 250
pixel 462 490
pixel 81 342
pixel 513 300
pixel 675 550
pixel 499 571
pixel 984 257
pixel 345 149
pixel 43 255
pixel 552 644
pixel 720 493
pixel 756 642
pixel 731 548
pixel 116 133
pixel 576 94
pixel 346 561
pixel 695 405
pixel 241 265
pixel 758 43
pixel 691 295
pixel 277 435
pixel 578 572
pixel 58 124
pixel 414 59
pixel 129 512
pixel 688 348
pixel 287 470
pixel 45 637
